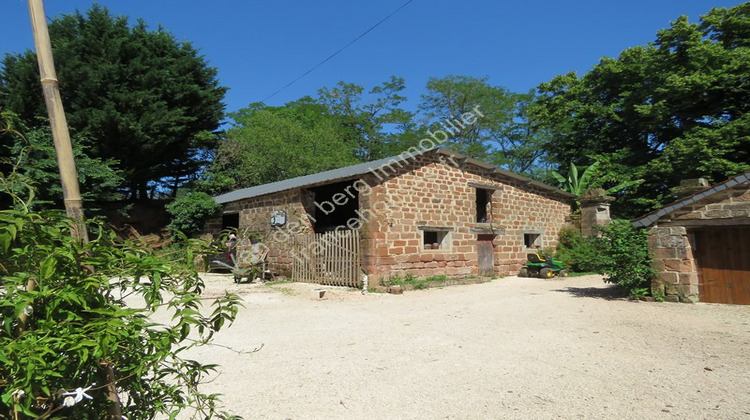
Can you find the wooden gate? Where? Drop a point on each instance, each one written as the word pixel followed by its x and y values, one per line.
pixel 332 258
pixel 723 256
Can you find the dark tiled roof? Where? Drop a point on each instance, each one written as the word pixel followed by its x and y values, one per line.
pixel 331 176
pixel 649 219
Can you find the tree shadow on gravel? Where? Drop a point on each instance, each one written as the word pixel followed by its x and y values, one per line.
pixel 606 293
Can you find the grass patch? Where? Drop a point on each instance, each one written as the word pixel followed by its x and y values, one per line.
pixel 288 291
pixel 415 283
pixel 273 283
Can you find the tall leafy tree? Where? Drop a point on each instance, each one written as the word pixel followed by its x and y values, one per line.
pixel 131 94
pixel 343 125
pixel 505 134
pixel 268 144
pixel 670 110
pixel 371 120
pixel 34 158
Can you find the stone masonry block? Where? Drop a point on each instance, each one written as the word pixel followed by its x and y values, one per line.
pixel 680 266
pixel 668 277
pixel 657 288
pixel 672 289
pixel 678 231
pixel 717 214
pixel 665 253
pixel 688 278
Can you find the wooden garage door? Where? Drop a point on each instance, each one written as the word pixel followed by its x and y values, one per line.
pixel 723 256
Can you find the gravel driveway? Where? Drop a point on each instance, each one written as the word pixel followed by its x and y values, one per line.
pixel 510 348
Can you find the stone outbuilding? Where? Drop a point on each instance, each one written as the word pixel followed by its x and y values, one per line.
pixel 701 244
pixel 422 213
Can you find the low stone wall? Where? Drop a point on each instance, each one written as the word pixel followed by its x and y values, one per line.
pixel 677 273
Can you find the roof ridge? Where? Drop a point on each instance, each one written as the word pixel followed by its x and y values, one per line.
pixel 362 168
pixel 649 218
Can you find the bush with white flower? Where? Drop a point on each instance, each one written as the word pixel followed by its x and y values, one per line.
pixel 69 340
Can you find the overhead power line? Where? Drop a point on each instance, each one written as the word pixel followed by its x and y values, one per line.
pixel 339 50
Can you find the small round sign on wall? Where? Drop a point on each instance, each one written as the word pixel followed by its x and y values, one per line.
pixel 278 218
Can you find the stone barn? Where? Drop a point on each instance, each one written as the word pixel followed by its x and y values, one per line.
pixel 701 244
pixel 423 213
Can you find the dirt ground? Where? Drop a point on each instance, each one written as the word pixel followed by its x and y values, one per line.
pixel 510 348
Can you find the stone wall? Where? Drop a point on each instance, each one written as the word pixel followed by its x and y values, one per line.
pixel 403 200
pixel 673 260
pixel 670 240
pixel 431 191
pixel 732 203
pixel 255 222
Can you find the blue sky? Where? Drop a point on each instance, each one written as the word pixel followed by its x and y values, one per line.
pixel 260 46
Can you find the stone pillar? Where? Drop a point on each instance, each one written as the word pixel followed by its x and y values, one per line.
pixel 689 187
pixel 676 272
pixel 594 210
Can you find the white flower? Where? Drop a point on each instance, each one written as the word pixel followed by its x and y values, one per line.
pixel 72 398
pixel 17 394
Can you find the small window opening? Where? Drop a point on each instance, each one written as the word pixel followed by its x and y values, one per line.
pixel 482 201
pixel 532 240
pixel 432 239
pixel 230 221
pixel 335 206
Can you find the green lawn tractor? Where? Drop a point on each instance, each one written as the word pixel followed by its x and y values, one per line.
pixel 541 267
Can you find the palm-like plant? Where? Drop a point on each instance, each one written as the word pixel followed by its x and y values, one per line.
pixel 577 182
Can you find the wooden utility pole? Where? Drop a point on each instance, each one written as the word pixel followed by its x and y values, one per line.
pixel 68 174
pixel 58 123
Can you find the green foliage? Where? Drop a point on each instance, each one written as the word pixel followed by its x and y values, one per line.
pixel 373 124
pixel 342 126
pixel 574 183
pixel 34 158
pixel 580 253
pixel 91 305
pixel 620 253
pixel 577 183
pixel 628 262
pixel 508 134
pixel 269 144
pixel 416 283
pixel 190 211
pixel 674 109
pixel 134 98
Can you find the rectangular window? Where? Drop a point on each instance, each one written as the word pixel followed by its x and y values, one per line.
pixel 436 239
pixel 532 240
pixel 230 221
pixel 483 198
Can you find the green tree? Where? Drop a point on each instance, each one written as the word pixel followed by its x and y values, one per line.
pixel 268 144
pixel 670 110
pixel 93 305
pixel 131 94
pixel 190 211
pixel 506 134
pixel 373 123
pixel 34 158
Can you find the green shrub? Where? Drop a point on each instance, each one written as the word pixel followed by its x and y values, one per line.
pixel 191 211
pixel 620 253
pixel 628 264
pixel 66 323
pixel 580 253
